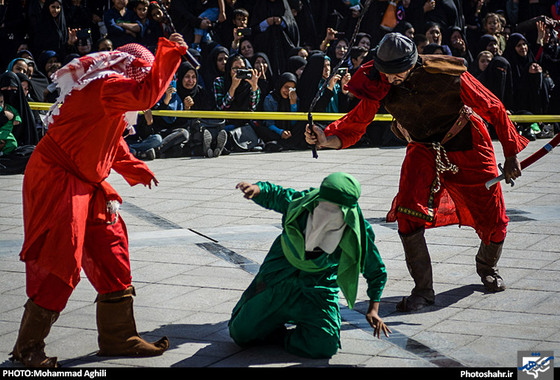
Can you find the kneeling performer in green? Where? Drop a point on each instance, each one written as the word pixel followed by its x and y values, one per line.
pixel 324 245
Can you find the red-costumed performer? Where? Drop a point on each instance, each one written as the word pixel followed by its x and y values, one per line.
pixel 439 108
pixel 70 212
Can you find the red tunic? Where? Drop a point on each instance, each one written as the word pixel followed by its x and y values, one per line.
pixel 463 198
pixel 64 187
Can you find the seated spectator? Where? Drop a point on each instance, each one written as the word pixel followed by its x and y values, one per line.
pixel 490 43
pixel 433 49
pixel 492 25
pixel 25 132
pixel 530 90
pixel 159 24
pixel 298 51
pixel 284 99
pixel 357 56
pixel 458 45
pixel 237 28
pixel 246 48
pixel 235 91
pixel 480 64
pixel 121 26
pixel 104 44
pixel 18 65
pixel 363 40
pixel 420 40
pixel 52 32
pixel 146 35
pixel 9 117
pixel 334 97
pixel 296 65
pixel 434 35
pixel 405 28
pixel 497 77
pixel 261 63
pixel 337 51
pixel 212 11
pixel 207 137
pixel 142 140
pixel 214 65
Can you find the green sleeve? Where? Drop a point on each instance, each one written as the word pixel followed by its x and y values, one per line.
pixel 6 129
pixel 374 268
pixel 275 197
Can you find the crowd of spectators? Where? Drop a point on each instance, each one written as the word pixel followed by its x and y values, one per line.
pixel 270 55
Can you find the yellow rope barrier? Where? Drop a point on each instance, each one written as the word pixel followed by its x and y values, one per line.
pixel 295 115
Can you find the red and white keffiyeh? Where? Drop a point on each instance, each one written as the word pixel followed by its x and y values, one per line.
pixel 132 61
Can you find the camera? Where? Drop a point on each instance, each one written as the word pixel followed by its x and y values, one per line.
pixel 342 71
pixel 244 32
pixel 244 74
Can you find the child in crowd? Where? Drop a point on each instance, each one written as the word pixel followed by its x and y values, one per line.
pixel 9 117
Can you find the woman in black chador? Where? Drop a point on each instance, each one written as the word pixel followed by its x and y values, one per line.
pixel 275 31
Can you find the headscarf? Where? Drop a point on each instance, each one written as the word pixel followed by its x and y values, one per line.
pixel 295 62
pixel 518 63
pixel 343 190
pixel 51 33
pixel 132 61
pixel 283 104
pixel 242 95
pixel 26 132
pixel 310 79
pixel 209 70
pixel 498 79
pixel 202 100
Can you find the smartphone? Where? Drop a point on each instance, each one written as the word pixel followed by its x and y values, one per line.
pixel 244 74
pixel 342 71
pixel 244 32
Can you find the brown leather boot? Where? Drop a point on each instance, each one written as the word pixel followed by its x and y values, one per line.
pixel 420 268
pixel 486 266
pixel 117 329
pixel 35 326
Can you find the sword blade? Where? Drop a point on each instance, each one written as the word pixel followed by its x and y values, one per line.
pixel 529 160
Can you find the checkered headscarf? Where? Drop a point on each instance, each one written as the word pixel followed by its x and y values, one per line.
pixel 132 61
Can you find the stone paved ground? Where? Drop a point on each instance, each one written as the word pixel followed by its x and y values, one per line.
pixel 196 244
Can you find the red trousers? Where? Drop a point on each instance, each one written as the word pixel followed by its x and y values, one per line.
pixel 105 261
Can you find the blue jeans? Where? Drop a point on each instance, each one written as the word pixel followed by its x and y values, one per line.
pixel 152 141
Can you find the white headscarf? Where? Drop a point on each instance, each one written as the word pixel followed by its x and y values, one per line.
pixel 325 227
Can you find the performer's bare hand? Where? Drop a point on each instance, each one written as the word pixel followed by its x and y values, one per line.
pixel 178 38
pixel 316 137
pixel 374 321
pixel 250 190
pixel 156 182
pixel 512 168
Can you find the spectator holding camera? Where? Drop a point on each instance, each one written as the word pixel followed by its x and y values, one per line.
pixel 334 97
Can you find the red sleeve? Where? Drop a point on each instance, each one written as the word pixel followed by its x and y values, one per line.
pixel 121 95
pixel 132 169
pixel 491 109
pixel 351 127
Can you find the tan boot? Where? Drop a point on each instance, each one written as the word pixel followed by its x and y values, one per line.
pixel 35 326
pixel 117 329
pixel 420 268
pixel 486 266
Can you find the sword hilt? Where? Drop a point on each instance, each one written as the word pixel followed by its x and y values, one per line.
pixel 494 181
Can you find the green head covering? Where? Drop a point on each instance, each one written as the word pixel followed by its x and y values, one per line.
pixel 344 190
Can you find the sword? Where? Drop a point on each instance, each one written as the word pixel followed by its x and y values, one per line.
pixel 529 160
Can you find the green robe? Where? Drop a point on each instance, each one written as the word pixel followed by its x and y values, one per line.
pixel 281 293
